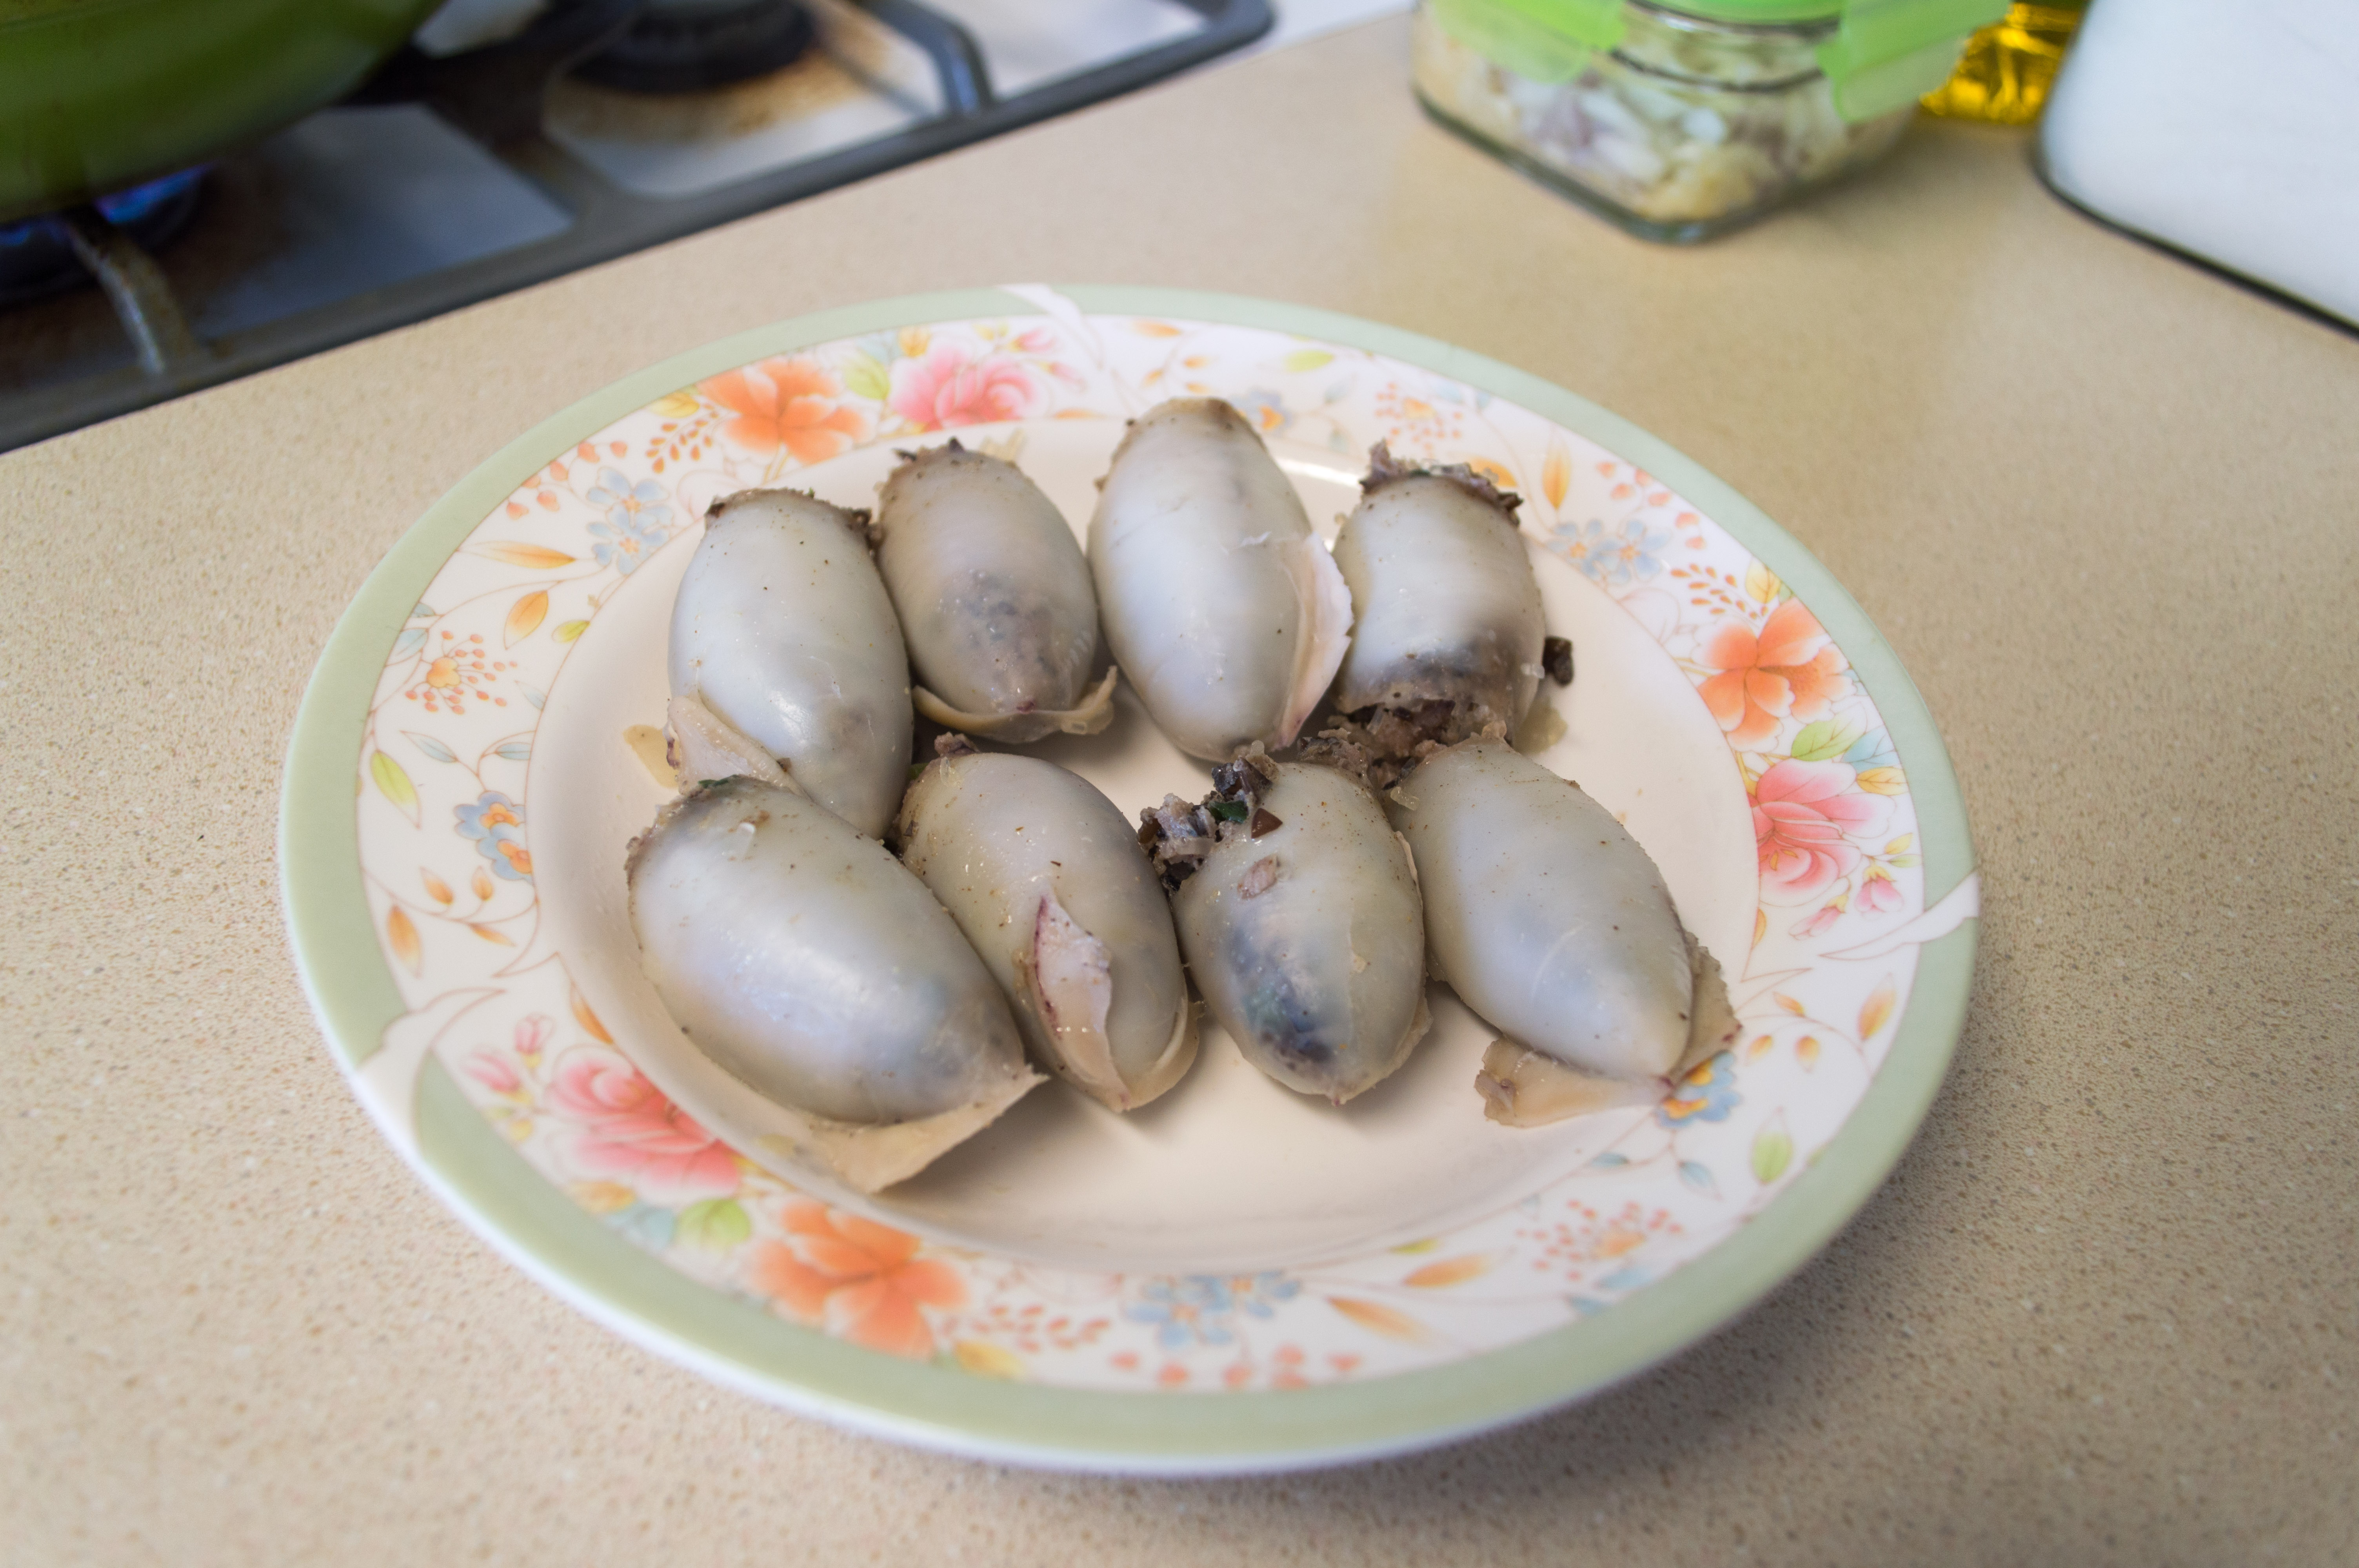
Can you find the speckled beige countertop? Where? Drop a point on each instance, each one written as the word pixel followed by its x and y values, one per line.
pixel 2106 505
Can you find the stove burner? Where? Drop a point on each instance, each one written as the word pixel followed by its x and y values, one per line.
pixel 36 255
pixel 683 45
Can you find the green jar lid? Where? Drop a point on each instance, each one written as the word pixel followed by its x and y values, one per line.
pixel 1884 54
pixel 1754 13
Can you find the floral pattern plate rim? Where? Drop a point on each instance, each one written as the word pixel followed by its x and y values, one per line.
pixel 483 1062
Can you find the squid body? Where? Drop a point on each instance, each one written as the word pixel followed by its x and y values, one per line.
pixel 1221 606
pixel 995 599
pixel 808 963
pixel 1050 884
pixel 1448 633
pixel 1298 912
pixel 1551 921
pixel 783 645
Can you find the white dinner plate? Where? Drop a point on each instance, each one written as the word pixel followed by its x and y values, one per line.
pixel 1234 1278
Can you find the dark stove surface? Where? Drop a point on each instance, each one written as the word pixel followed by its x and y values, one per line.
pixel 369 216
pixel 343 205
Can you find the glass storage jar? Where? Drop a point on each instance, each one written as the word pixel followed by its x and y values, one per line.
pixel 1678 124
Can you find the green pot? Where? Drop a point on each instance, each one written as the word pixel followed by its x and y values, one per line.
pixel 98 94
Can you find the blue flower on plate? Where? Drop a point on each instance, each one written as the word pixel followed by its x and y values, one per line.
pixel 1259 1294
pixel 496 824
pixel 1264 410
pixel 614 492
pixel 635 519
pixel 1611 557
pixel 1199 1309
pixel 624 545
pixel 1578 543
pixel 1193 1309
pixel 1708 1092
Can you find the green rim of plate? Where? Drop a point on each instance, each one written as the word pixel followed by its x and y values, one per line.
pixel 473 1170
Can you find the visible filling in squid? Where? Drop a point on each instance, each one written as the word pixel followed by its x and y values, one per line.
pixel 1177 836
pixel 1448 641
pixel 1298 912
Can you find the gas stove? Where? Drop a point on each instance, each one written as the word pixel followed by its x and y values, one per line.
pixel 474 164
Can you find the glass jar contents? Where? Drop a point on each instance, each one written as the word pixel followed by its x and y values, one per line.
pixel 1685 128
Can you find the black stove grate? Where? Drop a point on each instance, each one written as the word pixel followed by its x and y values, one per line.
pixel 494 96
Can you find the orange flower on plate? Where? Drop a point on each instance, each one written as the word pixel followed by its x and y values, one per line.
pixel 861 1281
pixel 1788 667
pixel 791 403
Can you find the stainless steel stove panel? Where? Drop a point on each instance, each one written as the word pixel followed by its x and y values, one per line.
pixel 485 171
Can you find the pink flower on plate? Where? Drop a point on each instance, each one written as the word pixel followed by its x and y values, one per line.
pixel 1819 924
pixel 532 1035
pixel 489 1069
pixel 1801 812
pixel 948 387
pixel 627 1129
pixel 1877 894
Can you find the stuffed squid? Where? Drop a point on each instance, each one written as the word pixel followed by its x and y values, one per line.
pixel 1222 607
pixel 1050 886
pixel 1551 921
pixel 811 966
pixel 1448 638
pixel 784 646
pixel 993 596
pixel 1298 912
